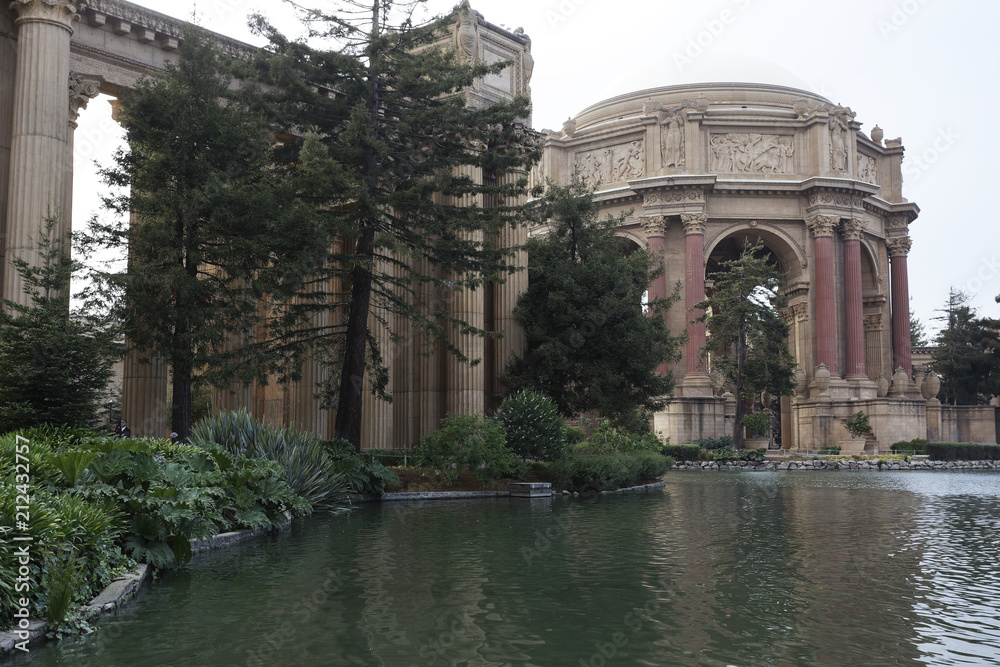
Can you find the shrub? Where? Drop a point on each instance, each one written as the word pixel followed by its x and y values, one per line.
pixel 575 435
pixel 830 451
pixel 607 472
pixel 532 426
pixel 309 469
pixel 915 446
pixel 712 444
pixel 682 452
pixel 757 424
pixel 607 439
pixel 752 455
pixel 471 442
pixel 363 473
pixel 857 424
pixel 962 451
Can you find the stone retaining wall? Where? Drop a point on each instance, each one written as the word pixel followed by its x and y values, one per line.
pixel 820 464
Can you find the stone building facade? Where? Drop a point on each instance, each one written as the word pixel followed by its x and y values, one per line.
pixel 699 168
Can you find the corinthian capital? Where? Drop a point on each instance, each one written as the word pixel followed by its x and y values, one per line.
pixel 853 229
pixel 82 89
pixel 655 225
pixel 900 246
pixel 694 223
pixel 63 13
pixel 823 225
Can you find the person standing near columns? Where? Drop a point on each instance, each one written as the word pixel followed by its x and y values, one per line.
pixel 822 227
pixel 696 381
pixel 656 229
pixel 899 248
pixel 40 136
pixel 853 299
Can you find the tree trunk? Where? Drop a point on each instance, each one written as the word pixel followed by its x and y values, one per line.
pixel 741 357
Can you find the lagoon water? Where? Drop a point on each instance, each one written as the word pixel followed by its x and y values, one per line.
pixel 808 568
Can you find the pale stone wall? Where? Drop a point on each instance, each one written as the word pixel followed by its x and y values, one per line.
pixel 968 423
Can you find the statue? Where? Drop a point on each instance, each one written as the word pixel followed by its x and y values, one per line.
pixel 467 37
pixel 840 117
pixel 671 136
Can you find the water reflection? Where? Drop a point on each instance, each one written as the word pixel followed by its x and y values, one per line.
pixel 720 569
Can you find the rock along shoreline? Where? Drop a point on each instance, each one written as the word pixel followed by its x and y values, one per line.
pixel 821 464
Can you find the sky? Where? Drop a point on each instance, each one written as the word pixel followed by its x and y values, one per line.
pixel 923 70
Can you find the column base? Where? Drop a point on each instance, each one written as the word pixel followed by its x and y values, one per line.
pixel 861 387
pixel 697 385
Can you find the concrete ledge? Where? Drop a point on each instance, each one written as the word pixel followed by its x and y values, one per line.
pixel 110 600
pixel 530 489
pixel 441 495
pixel 644 488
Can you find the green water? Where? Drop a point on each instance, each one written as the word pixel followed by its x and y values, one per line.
pixel 718 569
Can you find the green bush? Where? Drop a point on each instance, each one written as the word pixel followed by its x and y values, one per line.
pixel 575 435
pixel 757 424
pixel 830 451
pixel 712 444
pixel 723 454
pixel 309 469
pixel 472 442
pixel 682 452
pixel 532 426
pixel 608 439
pixel 364 472
pixel 752 455
pixel 915 446
pixel 608 472
pixel 857 424
pixel 962 451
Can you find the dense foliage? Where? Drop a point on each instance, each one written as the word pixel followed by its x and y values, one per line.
pixel 469 442
pixel 748 339
pixel 610 439
pixel 363 473
pixel 589 346
pixel 607 472
pixel 967 356
pixel 54 366
pixel 961 451
pixel 915 446
pixel 682 452
pixel 533 427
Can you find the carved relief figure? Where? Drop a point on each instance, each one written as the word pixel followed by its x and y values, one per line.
pixel 672 136
pixel 867 169
pixel 613 164
pixel 527 62
pixel 752 153
pixel 467 37
pixel 840 117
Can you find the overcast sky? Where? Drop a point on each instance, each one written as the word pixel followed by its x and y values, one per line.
pixel 923 70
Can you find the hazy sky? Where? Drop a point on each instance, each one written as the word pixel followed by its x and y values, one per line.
pixel 923 70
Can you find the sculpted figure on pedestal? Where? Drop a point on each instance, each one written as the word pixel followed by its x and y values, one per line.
pixel 467 37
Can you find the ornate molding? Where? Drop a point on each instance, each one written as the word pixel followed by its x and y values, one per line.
pixel 853 229
pixel 823 225
pixel 694 223
pixel 82 89
pixel 654 225
pixel 873 322
pixel 63 13
pixel 896 221
pixel 835 199
pixel 675 197
pixel 900 246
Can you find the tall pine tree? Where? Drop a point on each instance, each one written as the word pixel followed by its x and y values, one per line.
pixel 411 184
pixel 589 344
pixel 747 338
pixel 968 354
pixel 218 237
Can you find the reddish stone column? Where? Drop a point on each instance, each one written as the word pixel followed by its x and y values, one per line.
pixel 822 227
pixel 656 228
pixel 694 287
pixel 899 248
pixel 853 301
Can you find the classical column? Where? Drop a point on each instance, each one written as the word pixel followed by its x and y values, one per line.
pixel 853 301
pixel 899 248
pixel 656 229
pixel 507 293
pixel 144 395
pixel 82 89
pixel 822 227
pixel 694 288
pixel 377 425
pixel 39 145
pixel 8 64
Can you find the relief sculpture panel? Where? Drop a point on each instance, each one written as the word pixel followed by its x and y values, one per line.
pixel 752 153
pixel 612 164
pixel 867 169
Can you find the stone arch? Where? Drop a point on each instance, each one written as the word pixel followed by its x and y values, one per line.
pixel 787 251
pixel 871 269
pixel 638 239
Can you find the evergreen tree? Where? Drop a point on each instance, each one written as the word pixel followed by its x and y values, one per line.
pixel 217 232
pixel 747 339
pixel 589 344
pixel 54 365
pixel 918 333
pixel 968 354
pixel 389 159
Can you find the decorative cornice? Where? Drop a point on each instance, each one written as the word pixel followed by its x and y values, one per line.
pixel 82 89
pixel 899 246
pixel 694 223
pixel 63 13
pixel 674 197
pixel 654 225
pixel 853 229
pixel 823 225
pixel 897 221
